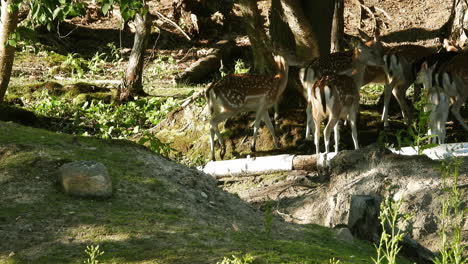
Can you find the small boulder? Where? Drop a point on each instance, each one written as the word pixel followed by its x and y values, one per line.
pixel 85 179
pixel 344 234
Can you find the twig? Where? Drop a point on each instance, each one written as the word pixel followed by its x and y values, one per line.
pixel 186 54
pixel 173 23
pixel 58 31
pixel 383 12
pixel 370 13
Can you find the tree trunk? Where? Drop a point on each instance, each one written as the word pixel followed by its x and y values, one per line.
pixel 133 83
pixel 453 28
pixel 460 19
pixel 261 46
pixel 309 22
pixel 8 23
pixel 337 31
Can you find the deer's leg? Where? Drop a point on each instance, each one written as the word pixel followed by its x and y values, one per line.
pixel 387 96
pixel 276 107
pixel 327 132
pixel 317 121
pixel 214 129
pixel 456 111
pixel 399 93
pixel 258 118
pixel 336 131
pixel 267 120
pixel 310 121
pixel 352 121
pixel 212 143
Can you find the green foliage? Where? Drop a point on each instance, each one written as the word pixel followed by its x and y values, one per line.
pixel 240 68
pixel 163 67
pixel 416 135
pixel 109 121
pixel 45 12
pixel 390 217
pixel 75 64
pixel 153 143
pixel 452 215
pixel 93 253
pixel 268 218
pixel 246 259
pixel 334 261
pixel 116 56
pixel 128 8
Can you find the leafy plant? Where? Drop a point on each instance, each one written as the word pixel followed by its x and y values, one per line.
pixel 240 68
pixel 389 217
pixel 246 259
pixel 163 149
pixel 93 253
pixel 334 261
pixel 452 215
pixel 417 136
pixel 268 218
pixel 102 120
pixel 75 64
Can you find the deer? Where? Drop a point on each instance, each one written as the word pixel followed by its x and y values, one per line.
pixel 342 63
pixel 336 96
pixel 443 76
pixel 400 75
pixel 238 93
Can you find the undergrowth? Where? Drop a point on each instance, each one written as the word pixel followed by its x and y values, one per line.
pixel 107 121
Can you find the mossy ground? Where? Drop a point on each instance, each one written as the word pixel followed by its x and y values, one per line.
pixel 155 216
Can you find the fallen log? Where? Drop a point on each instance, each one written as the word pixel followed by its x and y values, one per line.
pixel 264 165
pixel 203 67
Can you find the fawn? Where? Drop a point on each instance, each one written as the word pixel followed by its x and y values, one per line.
pixel 336 96
pixel 443 75
pixel 237 93
pixel 342 63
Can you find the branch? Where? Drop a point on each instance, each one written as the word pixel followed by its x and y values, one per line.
pixel 173 23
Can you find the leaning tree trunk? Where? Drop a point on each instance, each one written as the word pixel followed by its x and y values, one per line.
pixel 460 20
pixel 8 23
pixel 310 23
pixel 133 83
pixel 261 46
pixel 337 31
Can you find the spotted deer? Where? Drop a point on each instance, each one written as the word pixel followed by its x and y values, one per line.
pixel 400 75
pixel 336 95
pixel 343 63
pixel 444 77
pixel 237 93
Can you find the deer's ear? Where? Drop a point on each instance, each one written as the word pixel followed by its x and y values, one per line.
pixel 377 33
pixel 363 35
pixel 424 66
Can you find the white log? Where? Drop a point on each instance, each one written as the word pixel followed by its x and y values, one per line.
pixel 249 166
pixel 264 165
pixel 442 151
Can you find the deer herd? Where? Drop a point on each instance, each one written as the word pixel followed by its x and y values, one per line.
pixel 331 85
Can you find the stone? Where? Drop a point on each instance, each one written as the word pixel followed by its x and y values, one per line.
pixel 344 234
pixel 85 179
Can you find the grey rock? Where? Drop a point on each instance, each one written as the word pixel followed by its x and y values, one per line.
pixel 344 234
pixel 85 179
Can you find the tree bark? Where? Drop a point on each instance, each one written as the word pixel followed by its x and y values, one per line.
pixel 133 83
pixel 261 46
pixel 337 31
pixel 8 24
pixel 309 22
pixel 460 20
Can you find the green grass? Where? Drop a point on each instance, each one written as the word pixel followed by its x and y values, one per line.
pixel 152 217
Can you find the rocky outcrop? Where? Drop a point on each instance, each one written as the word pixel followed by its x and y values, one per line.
pixel 358 182
pixel 85 179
